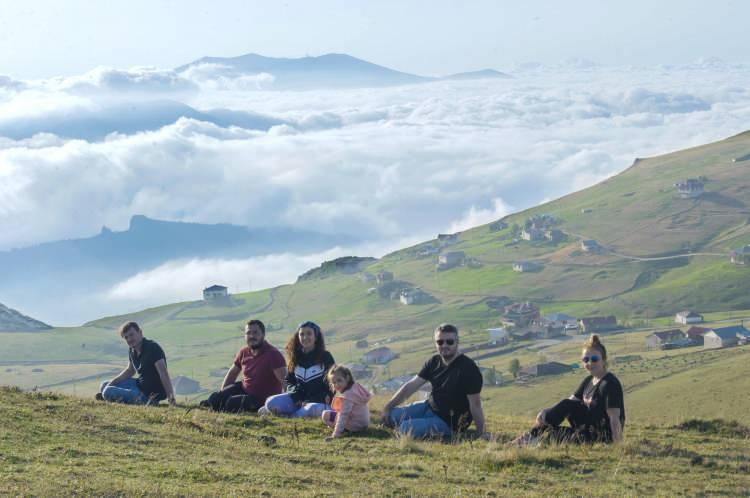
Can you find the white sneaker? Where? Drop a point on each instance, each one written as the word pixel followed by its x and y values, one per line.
pixel 263 411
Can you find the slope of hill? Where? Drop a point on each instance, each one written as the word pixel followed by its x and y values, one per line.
pixel 13 321
pixel 679 260
pixel 178 452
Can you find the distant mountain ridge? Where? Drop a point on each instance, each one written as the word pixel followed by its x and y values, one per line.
pixel 14 321
pixel 325 71
pixel 129 118
pixel 53 275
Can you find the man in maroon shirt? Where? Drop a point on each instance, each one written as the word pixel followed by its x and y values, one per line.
pixel 263 369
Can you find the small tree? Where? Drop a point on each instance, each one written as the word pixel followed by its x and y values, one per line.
pixel 515 367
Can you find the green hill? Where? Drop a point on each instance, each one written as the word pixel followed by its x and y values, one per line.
pixel 661 254
pixel 52 445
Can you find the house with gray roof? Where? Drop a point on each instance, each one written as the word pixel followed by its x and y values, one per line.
pixel 725 337
pixel 658 339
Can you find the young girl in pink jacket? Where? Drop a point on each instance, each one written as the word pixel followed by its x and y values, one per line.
pixel 350 412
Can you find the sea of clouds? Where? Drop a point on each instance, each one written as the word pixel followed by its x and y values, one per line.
pixel 391 166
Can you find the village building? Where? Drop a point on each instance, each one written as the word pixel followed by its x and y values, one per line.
pixel 185 385
pixel 593 324
pixel 359 370
pixel 498 225
pixel 368 278
pixel 695 334
pixel 414 296
pixel 690 188
pixel 361 344
pixel 554 235
pixel 527 266
pixel 567 321
pixel 384 276
pixel 723 337
pixel 687 317
pixel 450 259
pixel 740 256
pixel 547 330
pixel 531 234
pixel 378 356
pixel 426 252
pixel 396 382
pixel 498 335
pixel 215 292
pixel 590 245
pixel 520 314
pixel 658 339
pixel 549 368
pixel 446 239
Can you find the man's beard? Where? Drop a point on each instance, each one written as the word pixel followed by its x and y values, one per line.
pixel 448 356
pixel 258 345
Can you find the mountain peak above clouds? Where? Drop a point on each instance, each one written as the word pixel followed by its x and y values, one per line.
pixel 332 70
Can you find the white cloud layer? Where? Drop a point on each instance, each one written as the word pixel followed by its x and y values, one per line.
pixel 380 163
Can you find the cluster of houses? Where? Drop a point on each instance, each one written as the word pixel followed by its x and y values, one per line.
pixel 690 188
pixel 524 318
pixel 542 227
pixel 709 338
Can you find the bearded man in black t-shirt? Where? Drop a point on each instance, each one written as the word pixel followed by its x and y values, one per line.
pixel 454 402
pixel 145 358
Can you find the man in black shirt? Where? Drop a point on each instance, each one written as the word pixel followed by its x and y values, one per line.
pixel 146 358
pixel 456 383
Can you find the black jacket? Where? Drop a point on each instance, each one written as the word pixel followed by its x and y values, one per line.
pixel 307 383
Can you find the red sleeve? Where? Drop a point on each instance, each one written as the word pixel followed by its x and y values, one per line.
pixel 278 360
pixel 238 358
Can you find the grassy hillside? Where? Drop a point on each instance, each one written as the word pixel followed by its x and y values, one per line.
pixel 51 445
pixel 636 216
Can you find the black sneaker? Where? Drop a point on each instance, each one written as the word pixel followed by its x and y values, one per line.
pixel 99 397
pixel 204 404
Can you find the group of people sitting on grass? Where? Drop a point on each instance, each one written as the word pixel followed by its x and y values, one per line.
pixel 308 383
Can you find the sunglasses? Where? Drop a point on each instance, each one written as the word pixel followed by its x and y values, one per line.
pixel 449 342
pixel 590 359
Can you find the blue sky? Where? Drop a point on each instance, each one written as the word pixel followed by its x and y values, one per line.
pixel 44 38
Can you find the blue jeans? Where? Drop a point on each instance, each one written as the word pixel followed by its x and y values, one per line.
pixel 284 405
pixel 126 391
pixel 419 420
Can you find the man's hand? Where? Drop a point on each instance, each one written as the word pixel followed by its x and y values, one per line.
pixel 386 416
pixel 541 418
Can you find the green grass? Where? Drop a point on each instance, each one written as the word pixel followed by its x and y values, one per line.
pixel 52 445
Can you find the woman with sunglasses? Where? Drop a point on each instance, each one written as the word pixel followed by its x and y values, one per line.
pixel 307 391
pixel 595 412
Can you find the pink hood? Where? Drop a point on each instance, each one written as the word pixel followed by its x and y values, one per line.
pixel 357 394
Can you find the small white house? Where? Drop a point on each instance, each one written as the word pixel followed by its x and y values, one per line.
pixel 499 334
pixel 686 317
pixel 215 292
pixel 378 356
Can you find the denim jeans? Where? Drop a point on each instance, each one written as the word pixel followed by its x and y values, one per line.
pixel 126 391
pixel 284 405
pixel 419 420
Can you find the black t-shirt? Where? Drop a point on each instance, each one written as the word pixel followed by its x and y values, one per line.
pixel 149 381
pixel 607 393
pixel 450 386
